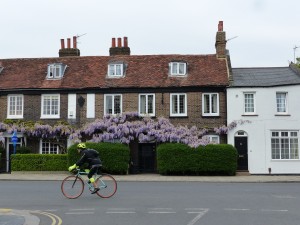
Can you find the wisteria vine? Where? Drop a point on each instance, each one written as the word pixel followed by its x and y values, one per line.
pixel 123 128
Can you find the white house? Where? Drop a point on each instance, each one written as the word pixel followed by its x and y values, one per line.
pixel 268 101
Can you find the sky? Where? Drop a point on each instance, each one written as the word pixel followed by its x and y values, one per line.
pixel 259 33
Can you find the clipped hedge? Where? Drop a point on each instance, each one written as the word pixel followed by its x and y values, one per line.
pixel 114 156
pixel 180 159
pixel 39 162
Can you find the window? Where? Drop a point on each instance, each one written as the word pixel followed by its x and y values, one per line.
pixel 115 70
pixel 113 104
pixel 50 106
pixel 47 147
pixel 56 70
pixel 249 103
pixel 210 106
pixel 1 68
pixel 178 68
pixel 15 106
pixel 281 102
pixel 213 139
pixel 147 104
pixel 285 144
pixel 178 105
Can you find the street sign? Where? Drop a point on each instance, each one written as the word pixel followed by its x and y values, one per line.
pixel 14 140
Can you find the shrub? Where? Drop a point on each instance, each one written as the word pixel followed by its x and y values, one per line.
pixel 181 159
pixel 23 150
pixel 114 156
pixel 38 162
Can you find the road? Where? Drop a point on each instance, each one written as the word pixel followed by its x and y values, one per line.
pixel 153 203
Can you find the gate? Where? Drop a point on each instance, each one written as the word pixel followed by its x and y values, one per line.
pixel 147 157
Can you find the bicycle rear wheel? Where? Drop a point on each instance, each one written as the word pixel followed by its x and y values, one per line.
pixel 72 186
pixel 107 185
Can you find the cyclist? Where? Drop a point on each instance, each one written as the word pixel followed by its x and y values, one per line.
pixel 91 157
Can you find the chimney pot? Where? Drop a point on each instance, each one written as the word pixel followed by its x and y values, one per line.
pixel 119 42
pixel 113 42
pixel 220 26
pixel 69 42
pixel 74 42
pixel 62 43
pixel 125 42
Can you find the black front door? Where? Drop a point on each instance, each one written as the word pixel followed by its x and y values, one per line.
pixel 147 157
pixel 241 144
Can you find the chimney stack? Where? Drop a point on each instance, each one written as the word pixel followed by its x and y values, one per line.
pixel 119 50
pixel 220 41
pixel 63 52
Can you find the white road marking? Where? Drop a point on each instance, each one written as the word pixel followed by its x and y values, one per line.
pixel 120 210
pixel 161 212
pixel 79 213
pixel 274 210
pixel 124 212
pixel 193 221
pixel 82 209
pixel 231 209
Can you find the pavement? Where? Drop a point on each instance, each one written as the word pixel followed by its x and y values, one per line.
pixel 25 217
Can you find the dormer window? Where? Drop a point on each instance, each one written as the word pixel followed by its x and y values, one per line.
pixel 115 70
pixel 177 68
pixel 56 70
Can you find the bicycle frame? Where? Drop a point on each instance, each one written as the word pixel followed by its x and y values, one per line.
pixel 106 183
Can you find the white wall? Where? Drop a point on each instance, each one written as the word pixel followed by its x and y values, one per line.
pixel 265 120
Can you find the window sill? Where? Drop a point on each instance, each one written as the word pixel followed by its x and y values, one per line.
pixel 43 117
pixel 282 114
pixel 249 114
pixel 15 117
pixel 178 116
pixel 207 115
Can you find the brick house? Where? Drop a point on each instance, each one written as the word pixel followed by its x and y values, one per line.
pixel 187 89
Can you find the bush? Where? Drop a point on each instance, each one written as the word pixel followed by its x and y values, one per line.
pixel 181 159
pixel 39 162
pixel 114 156
pixel 23 150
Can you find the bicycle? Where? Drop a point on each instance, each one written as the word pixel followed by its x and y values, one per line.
pixel 72 186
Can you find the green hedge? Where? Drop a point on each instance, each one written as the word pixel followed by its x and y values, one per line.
pixel 39 162
pixel 114 156
pixel 180 159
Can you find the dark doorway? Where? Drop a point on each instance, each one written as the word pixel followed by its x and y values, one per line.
pixel 241 144
pixel 3 160
pixel 147 157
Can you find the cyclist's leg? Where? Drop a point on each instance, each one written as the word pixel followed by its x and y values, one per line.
pixel 90 175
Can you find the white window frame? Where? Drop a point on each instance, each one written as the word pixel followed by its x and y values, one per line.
pixel 280 104
pixel 50 115
pixel 47 145
pixel 285 145
pixel 146 105
pixel 112 104
pixel 15 111
pixel 211 138
pixel 115 70
pixel 246 106
pixel 175 68
pixel 177 113
pixel 210 104
pixel 55 71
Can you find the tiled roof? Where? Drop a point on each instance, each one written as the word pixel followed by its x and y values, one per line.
pixel 91 72
pixel 265 77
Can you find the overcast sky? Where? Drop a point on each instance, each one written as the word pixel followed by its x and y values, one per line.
pixel 260 33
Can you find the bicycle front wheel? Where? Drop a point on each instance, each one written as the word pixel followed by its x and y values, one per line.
pixel 72 187
pixel 107 185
